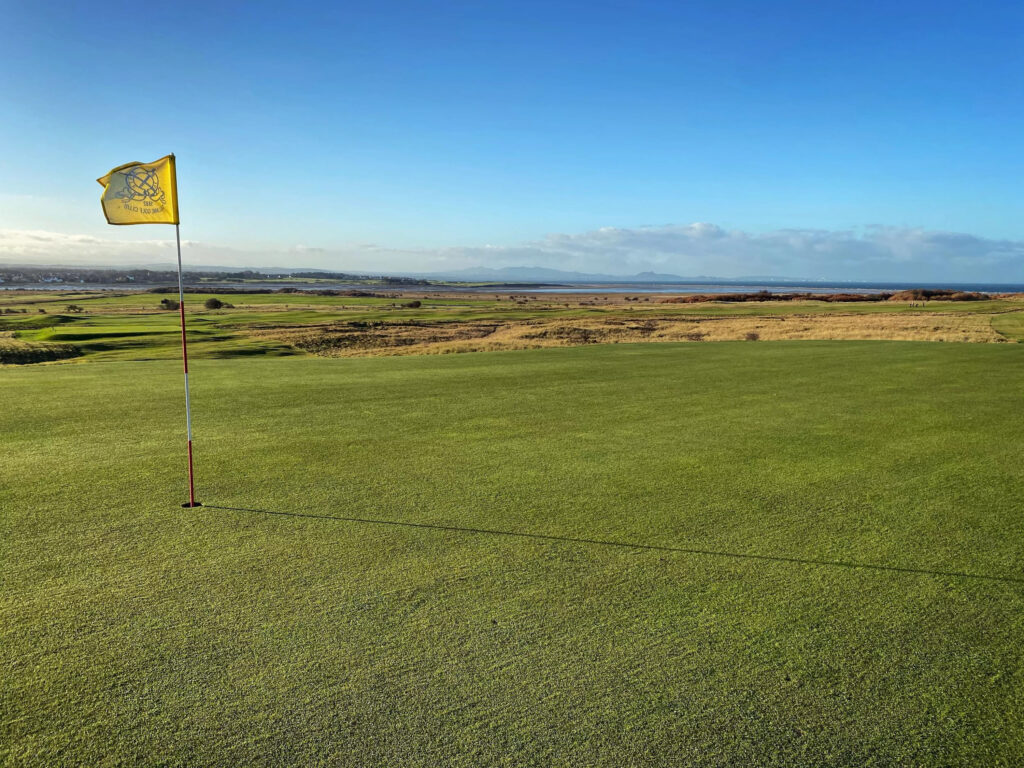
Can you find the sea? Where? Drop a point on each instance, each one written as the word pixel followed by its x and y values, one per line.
pixel 723 286
pixel 576 288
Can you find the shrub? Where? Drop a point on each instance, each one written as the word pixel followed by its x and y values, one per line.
pixel 26 354
pixel 413 305
pixel 752 336
pixel 697 298
pixel 72 308
pixel 938 294
pixel 213 303
pixel 168 304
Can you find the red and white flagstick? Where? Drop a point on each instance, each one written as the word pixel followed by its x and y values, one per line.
pixel 184 357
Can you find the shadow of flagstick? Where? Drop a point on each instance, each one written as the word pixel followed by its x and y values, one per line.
pixel 629 545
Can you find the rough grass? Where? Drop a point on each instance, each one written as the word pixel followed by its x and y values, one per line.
pixel 790 554
pixel 355 339
pixel 14 351
pixel 465 306
pixel 129 326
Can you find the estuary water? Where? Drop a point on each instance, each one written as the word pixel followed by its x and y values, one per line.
pixel 583 288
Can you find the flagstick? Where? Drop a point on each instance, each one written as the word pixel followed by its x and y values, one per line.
pixel 184 358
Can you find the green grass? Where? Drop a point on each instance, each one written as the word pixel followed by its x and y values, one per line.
pixel 1010 324
pixel 151 336
pixel 786 554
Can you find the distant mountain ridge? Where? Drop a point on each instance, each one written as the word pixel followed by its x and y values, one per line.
pixel 516 274
pixel 12 274
pixel 548 275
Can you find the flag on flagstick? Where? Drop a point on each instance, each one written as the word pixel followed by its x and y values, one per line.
pixel 141 193
pixel 147 193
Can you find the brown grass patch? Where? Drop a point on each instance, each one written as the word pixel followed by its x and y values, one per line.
pixel 366 339
pixel 915 294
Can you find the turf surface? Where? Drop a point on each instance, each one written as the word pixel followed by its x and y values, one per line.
pixel 706 554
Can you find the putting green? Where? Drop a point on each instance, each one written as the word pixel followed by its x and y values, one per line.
pixel 784 554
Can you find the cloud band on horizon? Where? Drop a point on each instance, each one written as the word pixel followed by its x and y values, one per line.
pixel 700 249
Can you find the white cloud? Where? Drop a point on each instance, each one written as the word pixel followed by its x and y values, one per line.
pixel 55 247
pixel 873 253
pixel 707 249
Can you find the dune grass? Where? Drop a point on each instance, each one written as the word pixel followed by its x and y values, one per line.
pixel 131 326
pixel 785 554
pixel 480 305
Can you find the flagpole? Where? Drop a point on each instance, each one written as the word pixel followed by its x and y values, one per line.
pixel 184 358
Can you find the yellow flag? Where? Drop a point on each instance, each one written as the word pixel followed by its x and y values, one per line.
pixel 141 193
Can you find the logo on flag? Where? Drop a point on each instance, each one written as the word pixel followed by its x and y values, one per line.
pixel 142 185
pixel 141 193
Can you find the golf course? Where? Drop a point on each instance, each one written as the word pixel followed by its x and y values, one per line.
pixel 512 385
pixel 764 553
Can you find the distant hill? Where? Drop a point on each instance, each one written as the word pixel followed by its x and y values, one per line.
pixel 547 275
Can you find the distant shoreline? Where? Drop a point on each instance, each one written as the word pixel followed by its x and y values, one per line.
pixel 539 288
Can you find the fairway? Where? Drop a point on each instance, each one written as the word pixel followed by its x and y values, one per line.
pixel 737 553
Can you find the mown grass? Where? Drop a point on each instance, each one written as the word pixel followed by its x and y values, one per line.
pixel 707 554
pixel 150 336
pixel 1010 324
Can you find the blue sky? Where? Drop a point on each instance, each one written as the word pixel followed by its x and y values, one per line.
pixel 837 140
